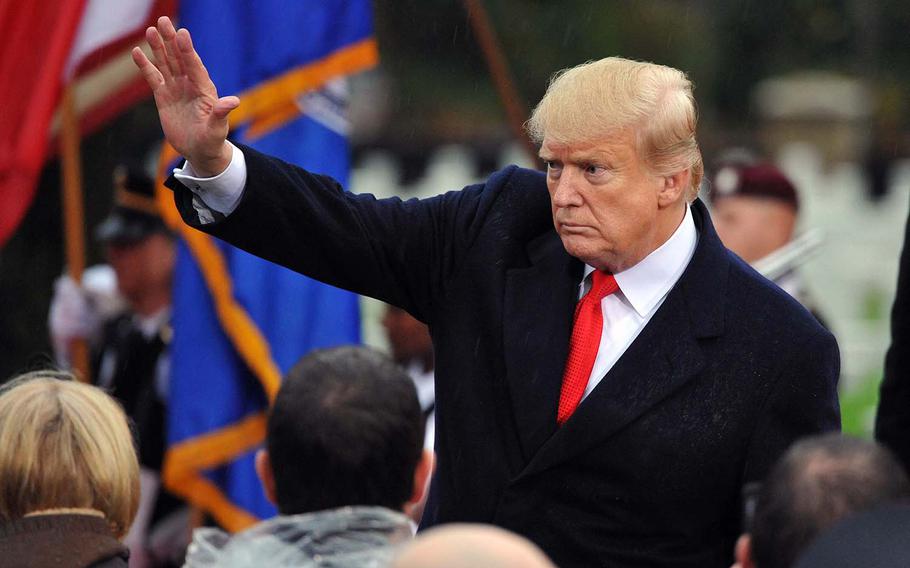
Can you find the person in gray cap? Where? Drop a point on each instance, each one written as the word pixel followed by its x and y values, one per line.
pixel 130 347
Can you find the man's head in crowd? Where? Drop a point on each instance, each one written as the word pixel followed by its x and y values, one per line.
pixel 65 445
pixel 755 208
pixel 618 137
pixel 817 482
pixel 468 546
pixel 139 247
pixel 345 429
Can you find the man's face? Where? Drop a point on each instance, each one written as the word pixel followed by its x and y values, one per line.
pixel 147 264
pixel 606 204
pixel 409 339
pixel 753 227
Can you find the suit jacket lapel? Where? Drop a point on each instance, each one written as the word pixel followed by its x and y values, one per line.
pixel 664 356
pixel 539 303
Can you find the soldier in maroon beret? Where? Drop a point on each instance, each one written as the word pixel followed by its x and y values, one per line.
pixel 755 208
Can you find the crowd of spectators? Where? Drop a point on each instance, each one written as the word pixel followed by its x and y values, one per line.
pixel 344 462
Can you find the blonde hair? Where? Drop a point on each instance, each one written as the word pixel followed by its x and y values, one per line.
pixel 65 445
pixel 597 99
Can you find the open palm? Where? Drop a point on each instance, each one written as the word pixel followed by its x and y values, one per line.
pixel 193 117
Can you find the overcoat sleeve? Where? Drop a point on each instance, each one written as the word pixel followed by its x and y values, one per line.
pixel 802 402
pixel 401 252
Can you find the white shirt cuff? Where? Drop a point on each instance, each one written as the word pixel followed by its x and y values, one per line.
pixel 220 193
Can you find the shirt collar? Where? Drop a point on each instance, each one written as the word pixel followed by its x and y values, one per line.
pixel 150 325
pixel 646 283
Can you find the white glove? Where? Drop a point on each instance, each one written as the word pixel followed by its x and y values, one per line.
pixel 79 312
pixel 100 285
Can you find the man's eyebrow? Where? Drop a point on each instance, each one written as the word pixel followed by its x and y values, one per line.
pixel 579 158
pixel 594 156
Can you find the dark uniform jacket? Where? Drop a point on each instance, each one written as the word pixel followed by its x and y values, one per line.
pixel 647 472
pixel 128 364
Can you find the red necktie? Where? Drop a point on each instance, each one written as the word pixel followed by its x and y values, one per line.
pixel 589 323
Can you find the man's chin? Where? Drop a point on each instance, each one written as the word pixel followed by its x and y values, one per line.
pixel 578 250
pixel 596 258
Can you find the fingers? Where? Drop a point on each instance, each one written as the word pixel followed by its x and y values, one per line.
pixel 151 74
pixel 162 40
pixel 169 35
pixel 224 106
pixel 190 62
pixel 159 53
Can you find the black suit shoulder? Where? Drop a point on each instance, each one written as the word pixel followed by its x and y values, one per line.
pixel 793 361
pixel 762 305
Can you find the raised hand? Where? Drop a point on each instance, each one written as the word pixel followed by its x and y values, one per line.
pixel 193 117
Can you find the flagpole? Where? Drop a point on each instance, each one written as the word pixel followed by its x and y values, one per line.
pixel 516 111
pixel 73 216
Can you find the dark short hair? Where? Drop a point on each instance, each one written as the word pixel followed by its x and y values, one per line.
pixel 818 481
pixel 346 429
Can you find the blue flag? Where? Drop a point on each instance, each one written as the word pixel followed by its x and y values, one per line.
pixel 240 322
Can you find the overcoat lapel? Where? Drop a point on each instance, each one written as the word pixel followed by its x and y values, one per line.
pixel 660 360
pixel 664 356
pixel 538 310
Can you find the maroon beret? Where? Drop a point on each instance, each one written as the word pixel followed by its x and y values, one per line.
pixel 756 180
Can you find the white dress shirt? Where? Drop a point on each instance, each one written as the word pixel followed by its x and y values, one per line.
pixel 642 288
pixel 426 395
pixel 220 193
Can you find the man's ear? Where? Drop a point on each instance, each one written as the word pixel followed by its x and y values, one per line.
pixel 422 474
pixel 266 476
pixel 675 187
pixel 743 552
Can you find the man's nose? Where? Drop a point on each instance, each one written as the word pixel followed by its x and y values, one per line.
pixel 565 190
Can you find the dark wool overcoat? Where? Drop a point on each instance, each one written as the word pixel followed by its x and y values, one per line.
pixel 648 471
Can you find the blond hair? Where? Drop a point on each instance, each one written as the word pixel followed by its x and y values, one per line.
pixel 595 100
pixel 65 445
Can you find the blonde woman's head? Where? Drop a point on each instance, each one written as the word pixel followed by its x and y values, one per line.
pixel 65 445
